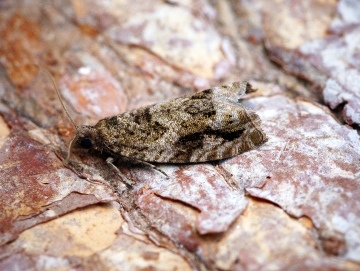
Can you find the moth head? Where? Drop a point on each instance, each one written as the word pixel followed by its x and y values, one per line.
pixel 85 138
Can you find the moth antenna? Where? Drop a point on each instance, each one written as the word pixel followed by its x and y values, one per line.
pixel 69 149
pixel 60 98
pixel 67 112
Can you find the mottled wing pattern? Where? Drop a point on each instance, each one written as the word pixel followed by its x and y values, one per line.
pixel 209 125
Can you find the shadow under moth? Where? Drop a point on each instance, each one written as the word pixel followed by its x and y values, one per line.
pixel 205 126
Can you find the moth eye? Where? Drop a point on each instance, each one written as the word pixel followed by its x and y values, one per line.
pixel 86 143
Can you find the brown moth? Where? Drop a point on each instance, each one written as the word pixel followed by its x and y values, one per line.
pixel 205 126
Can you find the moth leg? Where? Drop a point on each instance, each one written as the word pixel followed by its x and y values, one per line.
pixel 153 167
pixel 140 162
pixel 110 162
pixel 228 177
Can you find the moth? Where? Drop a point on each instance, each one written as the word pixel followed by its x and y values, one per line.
pixel 205 126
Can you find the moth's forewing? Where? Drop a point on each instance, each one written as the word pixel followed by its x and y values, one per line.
pixel 209 125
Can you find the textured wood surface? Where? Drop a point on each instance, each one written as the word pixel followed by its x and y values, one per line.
pixel 291 204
